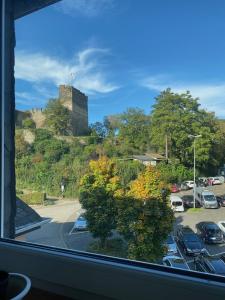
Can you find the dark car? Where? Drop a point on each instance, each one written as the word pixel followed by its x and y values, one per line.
pixel 210 264
pixel 189 241
pixel 188 201
pixel 210 232
pixel 221 200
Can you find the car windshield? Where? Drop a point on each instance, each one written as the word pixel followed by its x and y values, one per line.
pixel 191 238
pixel 209 198
pixel 81 218
pixel 213 231
pixel 177 203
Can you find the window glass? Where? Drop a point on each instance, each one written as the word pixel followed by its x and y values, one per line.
pixel 116 103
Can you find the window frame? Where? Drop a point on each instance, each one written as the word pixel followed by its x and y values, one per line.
pixel 132 271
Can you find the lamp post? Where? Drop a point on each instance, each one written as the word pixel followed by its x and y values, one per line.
pixel 194 137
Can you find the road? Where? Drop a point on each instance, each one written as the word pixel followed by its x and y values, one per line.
pixel 62 215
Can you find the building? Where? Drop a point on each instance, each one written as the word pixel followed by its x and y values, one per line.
pixel 77 103
pixel 149 159
pixel 71 98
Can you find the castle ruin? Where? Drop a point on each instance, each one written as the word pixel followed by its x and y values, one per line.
pixel 71 98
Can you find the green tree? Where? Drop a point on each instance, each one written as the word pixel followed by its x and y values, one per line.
pixel 144 217
pixel 58 117
pixel 96 196
pixel 177 116
pixel 133 131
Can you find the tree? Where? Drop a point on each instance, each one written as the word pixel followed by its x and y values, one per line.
pixel 58 117
pixel 177 116
pixel 96 196
pixel 144 217
pixel 134 129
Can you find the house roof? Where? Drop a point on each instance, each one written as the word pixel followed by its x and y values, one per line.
pixel 27 219
pixel 150 157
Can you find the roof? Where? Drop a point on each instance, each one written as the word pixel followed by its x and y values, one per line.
pixel 27 219
pixel 150 157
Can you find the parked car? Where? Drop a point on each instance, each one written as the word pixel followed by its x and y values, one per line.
pixel 221 200
pixel 189 241
pixel 210 232
pixel 171 245
pixel 215 180
pixel 184 186
pixel 176 203
pixel 175 188
pixel 210 264
pixel 206 198
pixel 80 223
pixel 190 183
pixel 221 225
pixel 175 262
pixel 188 201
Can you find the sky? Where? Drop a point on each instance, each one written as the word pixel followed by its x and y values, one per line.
pixel 122 53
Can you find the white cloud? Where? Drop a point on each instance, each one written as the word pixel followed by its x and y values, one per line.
pixel 86 67
pixel 211 96
pixel 88 8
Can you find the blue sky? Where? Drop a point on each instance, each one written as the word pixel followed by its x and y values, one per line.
pixel 122 53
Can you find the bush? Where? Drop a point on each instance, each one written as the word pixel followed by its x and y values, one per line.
pixel 36 198
pixel 29 124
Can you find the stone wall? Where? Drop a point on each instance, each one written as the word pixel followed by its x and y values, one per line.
pixel 38 117
pixel 74 100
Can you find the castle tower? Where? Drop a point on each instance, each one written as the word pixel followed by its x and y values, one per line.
pixel 77 103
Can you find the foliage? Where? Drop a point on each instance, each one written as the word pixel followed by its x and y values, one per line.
pixel 96 196
pixel 58 117
pixel 35 198
pixel 22 147
pixel 177 116
pixel 144 218
pixel 113 247
pixel 134 130
pixel 175 172
pixel 28 124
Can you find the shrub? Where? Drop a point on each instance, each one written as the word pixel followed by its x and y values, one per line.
pixel 35 198
pixel 29 124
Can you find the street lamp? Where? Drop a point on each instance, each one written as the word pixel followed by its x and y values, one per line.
pixel 194 137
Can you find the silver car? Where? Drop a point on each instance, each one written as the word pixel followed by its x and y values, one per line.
pixel 80 223
pixel 171 245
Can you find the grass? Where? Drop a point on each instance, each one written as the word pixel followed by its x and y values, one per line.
pixel 195 210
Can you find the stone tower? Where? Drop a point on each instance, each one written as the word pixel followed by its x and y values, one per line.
pixel 77 103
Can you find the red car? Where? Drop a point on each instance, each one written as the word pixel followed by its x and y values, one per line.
pixel 175 188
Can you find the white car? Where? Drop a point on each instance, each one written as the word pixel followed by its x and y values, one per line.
pixel 190 184
pixel 221 225
pixel 176 203
pixel 175 262
pixel 215 180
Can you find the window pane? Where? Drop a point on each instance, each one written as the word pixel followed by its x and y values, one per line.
pixel 120 130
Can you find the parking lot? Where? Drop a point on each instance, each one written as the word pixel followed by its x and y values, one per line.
pixel 191 218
